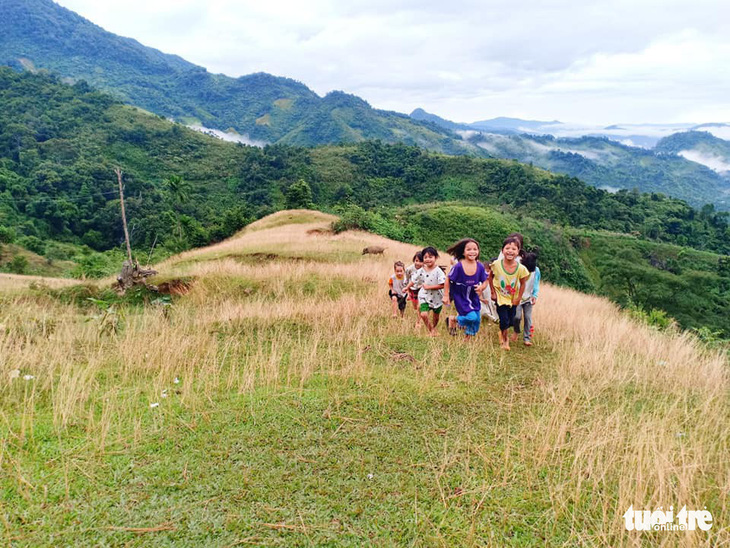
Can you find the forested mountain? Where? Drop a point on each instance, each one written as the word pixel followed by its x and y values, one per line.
pixel 39 34
pixel 690 165
pixel 701 147
pixel 611 165
pixel 60 142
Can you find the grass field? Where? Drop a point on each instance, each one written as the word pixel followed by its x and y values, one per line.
pixel 278 404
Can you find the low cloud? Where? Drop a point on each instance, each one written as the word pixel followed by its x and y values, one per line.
pixel 714 162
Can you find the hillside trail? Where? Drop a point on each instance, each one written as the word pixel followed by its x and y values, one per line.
pixel 278 403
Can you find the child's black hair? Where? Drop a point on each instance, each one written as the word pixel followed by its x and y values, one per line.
pixel 418 256
pixel 457 250
pixel 397 264
pixel 430 250
pixel 520 239
pixel 530 261
pixel 512 240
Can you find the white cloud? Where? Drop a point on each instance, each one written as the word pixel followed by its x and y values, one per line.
pixel 714 162
pixel 230 136
pixel 607 62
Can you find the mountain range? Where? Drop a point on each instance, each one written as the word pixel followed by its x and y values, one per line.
pixel 691 162
pixel 39 35
pixel 635 135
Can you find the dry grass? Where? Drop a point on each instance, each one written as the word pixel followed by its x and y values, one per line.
pixel 614 415
pixel 11 282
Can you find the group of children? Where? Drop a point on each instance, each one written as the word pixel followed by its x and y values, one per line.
pixel 504 291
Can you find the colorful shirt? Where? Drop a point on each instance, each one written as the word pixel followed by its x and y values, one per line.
pixel 433 297
pixel 461 288
pixel 507 284
pixel 397 284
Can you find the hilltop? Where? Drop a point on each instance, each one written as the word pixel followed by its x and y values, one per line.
pixel 277 403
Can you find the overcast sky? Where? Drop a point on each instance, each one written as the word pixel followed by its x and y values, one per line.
pixel 614 61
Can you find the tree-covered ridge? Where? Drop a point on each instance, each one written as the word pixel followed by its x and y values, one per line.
pixel 38 34
pixel 605 163
pixel 700 141
pixel 59 144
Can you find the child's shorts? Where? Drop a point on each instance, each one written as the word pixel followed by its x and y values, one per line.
pixel 470 322
pixel 506 316
pixel 401 299
pixel 425 307
pixel 413 295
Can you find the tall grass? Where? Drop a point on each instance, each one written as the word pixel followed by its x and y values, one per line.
pixel 602 414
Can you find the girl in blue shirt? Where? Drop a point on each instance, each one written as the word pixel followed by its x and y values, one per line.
pixel 466 280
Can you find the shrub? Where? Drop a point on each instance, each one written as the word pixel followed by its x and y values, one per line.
pixel 33 243
pixel 7 235
pixel 19 265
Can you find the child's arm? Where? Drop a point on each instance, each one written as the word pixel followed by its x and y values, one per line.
pixel 482 286
pixel 518 300
pixel 446 300
pixel 536 286
pixel 432 287
pixel 413 280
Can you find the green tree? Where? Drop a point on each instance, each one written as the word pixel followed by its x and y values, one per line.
pixel 177 188
pixel 299 195
pixel 19 265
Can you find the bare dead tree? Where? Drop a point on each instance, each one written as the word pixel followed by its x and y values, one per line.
pixel 131 273
pixel 124 215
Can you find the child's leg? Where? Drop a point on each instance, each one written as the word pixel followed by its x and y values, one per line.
pixel 506 317
pixel 516 322
pixel 470 322
pixel 423 314
pixel 528 322
pixel 518 319
pixel 502 313
pixel 436 316
pixel 414 299
pixel 394 303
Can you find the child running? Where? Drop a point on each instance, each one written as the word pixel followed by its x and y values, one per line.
pixel 466 280
pixel 430 297
pixel 396 289
pixel 413 291
pixel 529 298
pixel 508 281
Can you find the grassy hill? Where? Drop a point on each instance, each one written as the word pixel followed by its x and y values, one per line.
pixel 277 403
pixel 691 286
